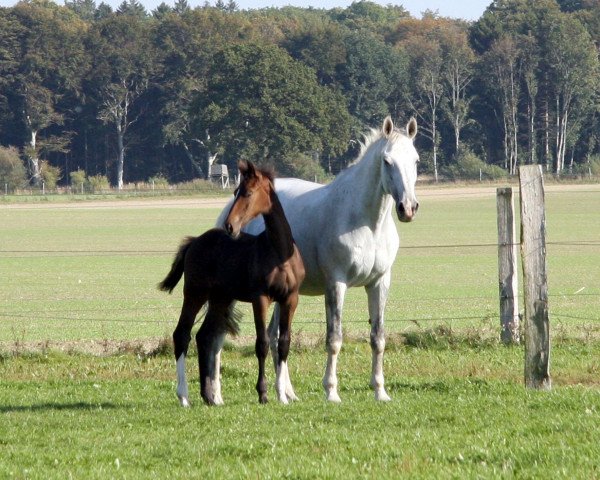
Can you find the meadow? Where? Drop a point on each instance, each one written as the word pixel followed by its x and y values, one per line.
pixel 87 380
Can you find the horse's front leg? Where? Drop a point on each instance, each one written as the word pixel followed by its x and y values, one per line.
pixel 181 340
pixel 260 307
pixel 287 310
pixel 334 302
pixel 377 296
pixel 274 341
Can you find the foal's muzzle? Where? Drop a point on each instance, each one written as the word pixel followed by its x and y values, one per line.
pixel 230 230
pixel 406 210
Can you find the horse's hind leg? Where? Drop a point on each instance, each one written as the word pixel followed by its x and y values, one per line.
pixel 260 308
pixel 283 348
pixel 181 340
pixel 209 340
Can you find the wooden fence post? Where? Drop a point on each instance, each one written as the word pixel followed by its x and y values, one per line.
pixel 533 254
pixel 507 267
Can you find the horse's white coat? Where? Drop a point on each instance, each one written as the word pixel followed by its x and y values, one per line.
pixel 347 237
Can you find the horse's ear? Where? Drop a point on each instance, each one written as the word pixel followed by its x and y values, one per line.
pixel 247 168
pixel 411 128
pixel 388 126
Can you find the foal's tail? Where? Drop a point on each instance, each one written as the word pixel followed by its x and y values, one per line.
pixel 173 277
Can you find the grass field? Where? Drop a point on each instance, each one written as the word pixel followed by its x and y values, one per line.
pixel 83 276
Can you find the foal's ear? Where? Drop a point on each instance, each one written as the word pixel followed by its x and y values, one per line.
pixel 247 168
pixel 411 128
pixel 388 126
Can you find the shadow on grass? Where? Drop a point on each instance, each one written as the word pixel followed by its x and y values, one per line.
pixel 48 406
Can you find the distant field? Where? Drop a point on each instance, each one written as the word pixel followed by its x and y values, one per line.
pixel 82 276
pixel 78 271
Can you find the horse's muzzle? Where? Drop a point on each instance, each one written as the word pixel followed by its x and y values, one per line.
pixel 230 230
pixel 407 210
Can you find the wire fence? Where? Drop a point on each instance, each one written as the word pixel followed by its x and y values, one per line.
pixel 42 311
pixel 143 311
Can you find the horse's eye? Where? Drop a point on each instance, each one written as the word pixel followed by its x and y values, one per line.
pixel 387 159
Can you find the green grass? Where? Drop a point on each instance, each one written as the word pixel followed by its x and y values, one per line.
pixel 456 412
pixel 73 274
pixel 90 273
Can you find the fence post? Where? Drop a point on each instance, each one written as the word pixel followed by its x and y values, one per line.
pixel 507 267
pixel 533 254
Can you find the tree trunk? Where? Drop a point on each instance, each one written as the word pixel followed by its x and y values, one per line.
pixel 120 158
pixel 34 161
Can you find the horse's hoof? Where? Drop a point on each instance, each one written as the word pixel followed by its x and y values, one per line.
pixel 184 402
pixel 381 396
pixel 333 397
pixel 211 401
pixel 292 397
pixel 263 399
pixel 283 399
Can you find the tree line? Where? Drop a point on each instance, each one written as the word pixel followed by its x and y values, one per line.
pixel 130 94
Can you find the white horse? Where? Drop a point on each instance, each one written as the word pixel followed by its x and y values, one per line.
pixel 347 238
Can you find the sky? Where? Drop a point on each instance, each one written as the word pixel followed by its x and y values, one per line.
pixel 465 9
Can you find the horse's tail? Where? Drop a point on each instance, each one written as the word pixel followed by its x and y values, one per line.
pixel 231 324
pixel 173 277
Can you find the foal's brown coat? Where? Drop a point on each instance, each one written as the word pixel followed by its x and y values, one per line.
pixel 222 266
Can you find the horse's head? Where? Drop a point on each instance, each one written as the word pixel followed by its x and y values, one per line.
pixel 252 197
pixel 399 167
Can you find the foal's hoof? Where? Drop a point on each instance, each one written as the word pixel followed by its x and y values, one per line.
pixel 263 399
pixel 211 400
pixel 184 401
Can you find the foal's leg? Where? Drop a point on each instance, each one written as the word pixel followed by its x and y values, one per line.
pixel 377 295
pixel 274 342
pixel 283 348
pixel 334 301
pixel 181 340
pixel 209 340
pixel 260 307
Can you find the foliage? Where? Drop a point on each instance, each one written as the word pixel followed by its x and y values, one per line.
pixel 470 166
pixel 97 183
pixel 78 179
pixel 592 166
pixel 158 181
pixel 301 166
pixel 279 107
pixel 50 175
pixel 12 171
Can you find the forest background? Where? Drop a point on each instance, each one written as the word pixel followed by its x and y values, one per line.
pixel 130 96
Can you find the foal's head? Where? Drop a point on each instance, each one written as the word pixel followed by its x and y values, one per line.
pixel 252 197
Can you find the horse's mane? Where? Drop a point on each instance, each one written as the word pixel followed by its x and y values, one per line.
pixel 373 135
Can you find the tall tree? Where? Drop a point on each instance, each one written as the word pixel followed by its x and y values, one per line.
pixel 370 77
pixel 261 104
pixel 574 70
pixel 425 99
pixel 459 60
pixel 503 64
pixel 123 66
pixel 50 61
